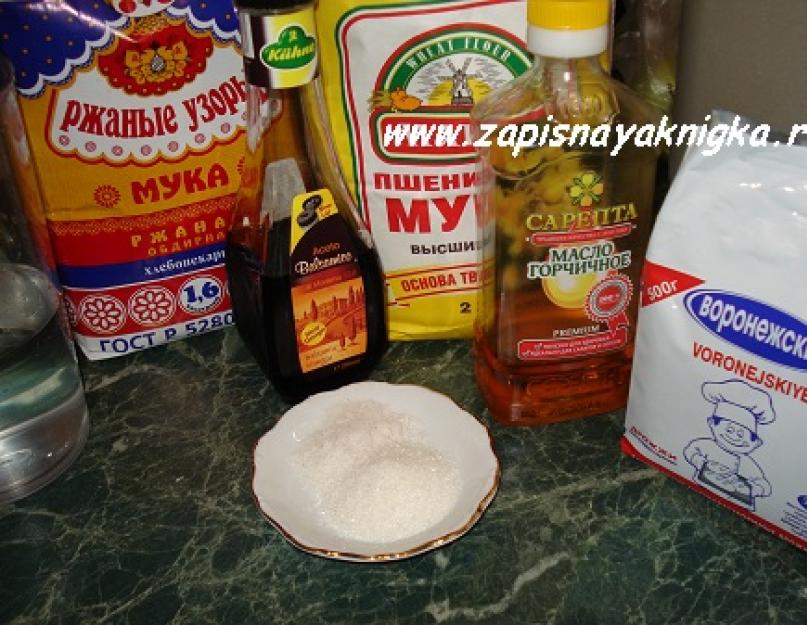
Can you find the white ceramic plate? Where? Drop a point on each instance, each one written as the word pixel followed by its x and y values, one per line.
pixel 454 433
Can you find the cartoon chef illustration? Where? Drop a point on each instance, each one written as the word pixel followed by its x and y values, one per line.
pixel 723 463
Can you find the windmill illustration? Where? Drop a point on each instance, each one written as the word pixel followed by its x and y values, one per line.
pixel 460 87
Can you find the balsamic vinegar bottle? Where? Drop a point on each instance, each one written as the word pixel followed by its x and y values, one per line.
pixel 305 279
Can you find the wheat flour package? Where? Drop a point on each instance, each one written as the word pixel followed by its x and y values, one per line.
pixel 134 113
pixel 719 392
pixel 394 68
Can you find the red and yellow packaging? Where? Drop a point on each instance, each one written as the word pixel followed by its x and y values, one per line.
pixel 134 112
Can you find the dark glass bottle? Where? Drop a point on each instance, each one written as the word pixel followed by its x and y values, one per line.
pixel 305 279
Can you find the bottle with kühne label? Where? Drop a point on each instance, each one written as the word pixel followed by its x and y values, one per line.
pixel 305 279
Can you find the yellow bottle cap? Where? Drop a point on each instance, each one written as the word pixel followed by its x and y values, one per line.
pixel 568 14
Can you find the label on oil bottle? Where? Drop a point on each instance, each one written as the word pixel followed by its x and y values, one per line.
pixel 327 289
pixel 582 273
pixel 280 51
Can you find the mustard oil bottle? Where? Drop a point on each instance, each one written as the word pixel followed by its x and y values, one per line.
pixel 305 279
pixel 564 227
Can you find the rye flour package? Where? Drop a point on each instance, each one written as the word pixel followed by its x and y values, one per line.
pixel 134 113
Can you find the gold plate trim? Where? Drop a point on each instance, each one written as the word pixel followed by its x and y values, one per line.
pixel 392 556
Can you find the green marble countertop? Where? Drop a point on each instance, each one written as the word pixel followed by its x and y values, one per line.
pixel 155 522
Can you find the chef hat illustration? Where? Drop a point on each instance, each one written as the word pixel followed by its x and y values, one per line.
pixel 740 402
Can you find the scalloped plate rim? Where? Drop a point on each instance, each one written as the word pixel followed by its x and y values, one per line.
pixel 383 556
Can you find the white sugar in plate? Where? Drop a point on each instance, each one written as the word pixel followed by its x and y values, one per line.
pixel 375 472
pixel 372 477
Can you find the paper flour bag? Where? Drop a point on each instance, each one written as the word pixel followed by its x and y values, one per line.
pixel 392 67
pixel 134 113
pixel 719 391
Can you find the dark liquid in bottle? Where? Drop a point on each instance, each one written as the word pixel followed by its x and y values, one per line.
pixel 265 315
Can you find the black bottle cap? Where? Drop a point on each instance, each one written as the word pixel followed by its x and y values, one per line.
pixel 271 4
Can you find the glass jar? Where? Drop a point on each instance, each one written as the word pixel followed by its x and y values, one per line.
pixel 43 413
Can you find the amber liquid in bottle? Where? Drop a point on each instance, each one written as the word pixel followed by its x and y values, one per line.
pixel 305 279
pixel 554 339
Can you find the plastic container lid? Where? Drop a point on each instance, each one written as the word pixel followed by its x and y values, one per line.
pixel 568 14
pixel 568 28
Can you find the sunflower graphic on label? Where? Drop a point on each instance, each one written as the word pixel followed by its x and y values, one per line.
pixel 587 189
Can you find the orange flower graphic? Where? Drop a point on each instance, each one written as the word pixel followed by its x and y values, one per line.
pixel 157 64
pixel 107 196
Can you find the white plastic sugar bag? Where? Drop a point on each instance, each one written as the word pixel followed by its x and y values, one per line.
pixel 719 391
